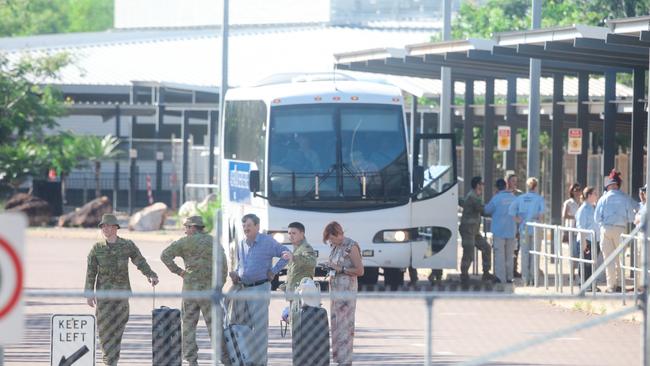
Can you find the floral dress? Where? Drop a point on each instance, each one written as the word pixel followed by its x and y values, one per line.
pixel 342 310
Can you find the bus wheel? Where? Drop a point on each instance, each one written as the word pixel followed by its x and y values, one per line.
pixel 370 275
pixel 393 278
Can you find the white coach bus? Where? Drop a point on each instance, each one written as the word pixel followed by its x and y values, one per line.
pixel 315 151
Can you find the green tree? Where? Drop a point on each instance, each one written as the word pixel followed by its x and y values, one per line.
pixel 28 17
pixel 96 150
pixel 495 16
pixel 65 152
pixel 25 158
pixel 26 107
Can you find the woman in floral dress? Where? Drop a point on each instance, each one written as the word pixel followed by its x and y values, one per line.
pixel 345 261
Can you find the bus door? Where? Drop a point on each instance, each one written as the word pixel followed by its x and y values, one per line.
pixel 434 207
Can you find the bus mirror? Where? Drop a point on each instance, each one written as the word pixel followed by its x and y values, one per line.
pixel 254 181
pixel 418 177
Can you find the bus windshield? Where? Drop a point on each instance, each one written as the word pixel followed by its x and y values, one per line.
pixel 337 156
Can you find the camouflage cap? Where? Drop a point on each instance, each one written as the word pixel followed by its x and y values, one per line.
pixel 109 219
pixel 194 221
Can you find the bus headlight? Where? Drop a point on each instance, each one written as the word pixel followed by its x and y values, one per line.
pixel 281 237
pixel 391 236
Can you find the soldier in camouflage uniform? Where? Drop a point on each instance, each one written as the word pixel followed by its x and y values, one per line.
pixel 303 263
pixel 196 250
pixel 108 269
pixel 471 237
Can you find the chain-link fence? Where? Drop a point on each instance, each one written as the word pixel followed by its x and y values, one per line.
pixel 382 328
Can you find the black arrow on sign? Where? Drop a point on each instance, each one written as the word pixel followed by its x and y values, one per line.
pixel 74 357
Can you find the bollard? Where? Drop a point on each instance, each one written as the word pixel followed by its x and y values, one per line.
pixel 429 348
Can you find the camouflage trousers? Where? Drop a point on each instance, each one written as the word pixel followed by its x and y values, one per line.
pixel 192 309
pixel 469 241
pixel 112 316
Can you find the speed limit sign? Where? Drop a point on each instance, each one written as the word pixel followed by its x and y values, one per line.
pixel 12 276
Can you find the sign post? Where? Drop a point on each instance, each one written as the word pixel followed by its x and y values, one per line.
pixel 575 141
pixel 73 340
pixel 12 235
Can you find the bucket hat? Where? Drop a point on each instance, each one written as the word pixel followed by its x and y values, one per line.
pixel 193 221
pixel 109 219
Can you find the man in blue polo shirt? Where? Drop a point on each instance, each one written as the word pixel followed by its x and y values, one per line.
pixel 528 207
pixel 503 231
pixel 253 273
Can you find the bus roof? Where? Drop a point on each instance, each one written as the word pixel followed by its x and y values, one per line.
pixel 302 92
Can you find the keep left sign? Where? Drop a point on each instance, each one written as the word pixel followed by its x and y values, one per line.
pixel 73 340
pixel 12 277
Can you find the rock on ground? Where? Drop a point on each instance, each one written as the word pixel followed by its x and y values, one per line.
pixel 149 218
pixel 37 210
pixel 89 215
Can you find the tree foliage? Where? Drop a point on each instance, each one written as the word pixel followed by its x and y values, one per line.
pixel 26 110
pixel 27 17
pixel 495 16
pixel 26 107
pixel 96 150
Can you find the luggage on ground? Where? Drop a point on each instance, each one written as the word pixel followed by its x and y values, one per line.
pixel 310 334
pixel 236 338
pixel 166 336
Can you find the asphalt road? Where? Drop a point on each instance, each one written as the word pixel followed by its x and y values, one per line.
pixel 388 331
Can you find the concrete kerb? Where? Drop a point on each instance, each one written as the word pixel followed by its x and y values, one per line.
pixel 165 235
pixel 587 304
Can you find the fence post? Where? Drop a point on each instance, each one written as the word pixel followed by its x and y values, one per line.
pixel 559 268
pixel 217 295
pixel 536 257
pixel 429 348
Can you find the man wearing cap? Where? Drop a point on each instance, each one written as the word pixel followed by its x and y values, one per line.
pixel 614 211
pixel 108 269
pixel 303 263
pixel 195 248
pixel 470 226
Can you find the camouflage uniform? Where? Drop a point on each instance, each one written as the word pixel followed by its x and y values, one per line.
pixel 302 265
pixel 196 251
pixel 108 269
pixel 469 229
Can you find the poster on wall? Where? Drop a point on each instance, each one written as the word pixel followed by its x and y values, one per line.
pixel 575 141
pixel 503 140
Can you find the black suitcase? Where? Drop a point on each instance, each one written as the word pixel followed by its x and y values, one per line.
pixel 166 337
pixel 310 337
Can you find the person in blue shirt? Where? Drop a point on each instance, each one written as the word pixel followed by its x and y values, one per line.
pixel 252 274
pixel 528 207
pixel 614 211
pixel 503 231
pixel 585 221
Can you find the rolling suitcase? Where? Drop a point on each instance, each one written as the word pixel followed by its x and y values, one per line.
pixel 310 337
pixel 166 345
pixel 236 338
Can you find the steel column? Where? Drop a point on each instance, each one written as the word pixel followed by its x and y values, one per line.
pixel 132 168
pixel 582 119
pixel 116 173
pixel 488 139
pixel 468 136
pixel 212 130
pixel 185 134
pixel 511 116
pixel 212 135
pixel 557 151
pixel 609 124
pixel 159 157
pixel 638 127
